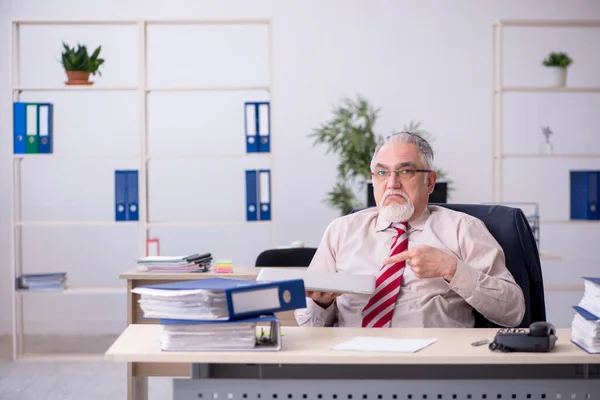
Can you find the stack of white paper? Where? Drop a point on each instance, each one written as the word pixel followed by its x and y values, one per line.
pixel 193 304
pixel 585 328
pixel 204 337
pixel 190 263
pixel 364 343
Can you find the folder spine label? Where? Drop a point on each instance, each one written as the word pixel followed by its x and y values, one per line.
pixel 265 194
pixel 45 118
pixel 31 124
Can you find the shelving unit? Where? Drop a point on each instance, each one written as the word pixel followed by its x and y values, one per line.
pixel 498 91
pixel 143 158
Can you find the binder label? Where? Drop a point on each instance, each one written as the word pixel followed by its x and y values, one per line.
pixel 255 300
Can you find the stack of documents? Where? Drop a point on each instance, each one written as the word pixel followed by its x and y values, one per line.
pixel 219 298
pixel 219 313
pixel 178 335
pixel 191 263
pixel 39 282
pixel 585 329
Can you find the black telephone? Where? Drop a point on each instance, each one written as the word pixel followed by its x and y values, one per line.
pixel 540 338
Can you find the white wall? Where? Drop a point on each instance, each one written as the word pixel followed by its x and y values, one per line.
pixel 425 61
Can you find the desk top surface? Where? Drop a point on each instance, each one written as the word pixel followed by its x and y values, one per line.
pixel 238 272
pixel 140 343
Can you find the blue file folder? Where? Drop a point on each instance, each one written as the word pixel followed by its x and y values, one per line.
pixel 19 127
pixel 132 196
pixel 45 127
pixel 120 195
pixel 265 194
pixel 251 127
pixel 251 196
pixel 246 298
pixel 263 111
pixel 585 191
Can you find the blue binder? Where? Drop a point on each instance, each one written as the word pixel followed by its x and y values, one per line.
pixel 246 298
pixel 265 194
pixel 251 196
pixel 263 112
pixel 45 118
pixel 251 127
pixel 585 190
pixel 121 195
pixel 19 127
pixel 132 196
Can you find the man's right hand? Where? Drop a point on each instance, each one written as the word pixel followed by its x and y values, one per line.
pixel 323 299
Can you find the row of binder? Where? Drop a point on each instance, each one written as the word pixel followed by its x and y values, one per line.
pixel 126 195
pixel 32 127
pixel 258 195
pixel 257 126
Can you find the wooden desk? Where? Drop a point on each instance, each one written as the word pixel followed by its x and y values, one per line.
pixel 135 315
pixel 307 350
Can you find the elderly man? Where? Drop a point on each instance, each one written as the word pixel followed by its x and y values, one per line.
pixel 433 265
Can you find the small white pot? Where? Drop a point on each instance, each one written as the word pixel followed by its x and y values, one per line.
pixel 559 76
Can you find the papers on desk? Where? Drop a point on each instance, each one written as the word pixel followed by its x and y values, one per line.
pixel 363 343
pixel 242 335
pixel 190 263
pixel 322 281
pixel 585 328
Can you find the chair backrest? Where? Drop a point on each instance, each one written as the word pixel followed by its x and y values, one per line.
pixel 512 231
pixel 292 257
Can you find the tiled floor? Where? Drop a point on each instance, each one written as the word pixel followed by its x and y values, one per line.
pixel 25 380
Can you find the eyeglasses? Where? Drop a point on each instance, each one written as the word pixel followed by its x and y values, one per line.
pixel 405 174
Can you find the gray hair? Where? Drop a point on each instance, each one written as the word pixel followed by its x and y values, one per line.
pixel 422 145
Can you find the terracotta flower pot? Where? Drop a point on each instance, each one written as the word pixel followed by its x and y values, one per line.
pixel 78 78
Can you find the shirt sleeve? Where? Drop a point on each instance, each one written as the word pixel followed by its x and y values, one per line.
pixel 483 280
pixel 324 261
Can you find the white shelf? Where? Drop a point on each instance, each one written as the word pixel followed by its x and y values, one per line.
pixel 78 290
pixel 549 89
pixel 75 223
pixel 141 90
pixel 549 23
pixel 208 88
pixel 74 156
pixel 563 155
pixel 205 223
pixel 207 156
pixel 75 88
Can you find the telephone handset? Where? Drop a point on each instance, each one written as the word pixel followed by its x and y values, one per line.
pixel 540 338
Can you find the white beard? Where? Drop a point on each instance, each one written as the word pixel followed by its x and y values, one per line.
pixel 396 212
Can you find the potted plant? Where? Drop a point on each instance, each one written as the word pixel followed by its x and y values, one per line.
pixel 78 64
pixel 350 134
pixel 558 62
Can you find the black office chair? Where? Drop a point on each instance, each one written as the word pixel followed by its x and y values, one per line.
pixel 294 257
pixel 510 228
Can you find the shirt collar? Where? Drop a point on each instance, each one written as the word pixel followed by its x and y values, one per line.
pixel 416 224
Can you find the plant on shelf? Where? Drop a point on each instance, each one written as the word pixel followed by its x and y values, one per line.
pixel 558 62
pixel 350 135
pixel 78 64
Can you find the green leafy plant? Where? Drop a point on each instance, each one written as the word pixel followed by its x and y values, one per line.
pixel 557 59
pixel 79 59
pixel 350 135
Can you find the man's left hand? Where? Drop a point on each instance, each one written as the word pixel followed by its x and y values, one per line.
pixel 427 262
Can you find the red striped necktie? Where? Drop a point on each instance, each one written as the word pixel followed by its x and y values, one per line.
pixel 379 310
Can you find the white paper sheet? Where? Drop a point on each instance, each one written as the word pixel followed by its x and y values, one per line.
pixel 362 343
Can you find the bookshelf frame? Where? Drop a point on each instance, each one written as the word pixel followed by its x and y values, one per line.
pixel 144 224
pixel 498 89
